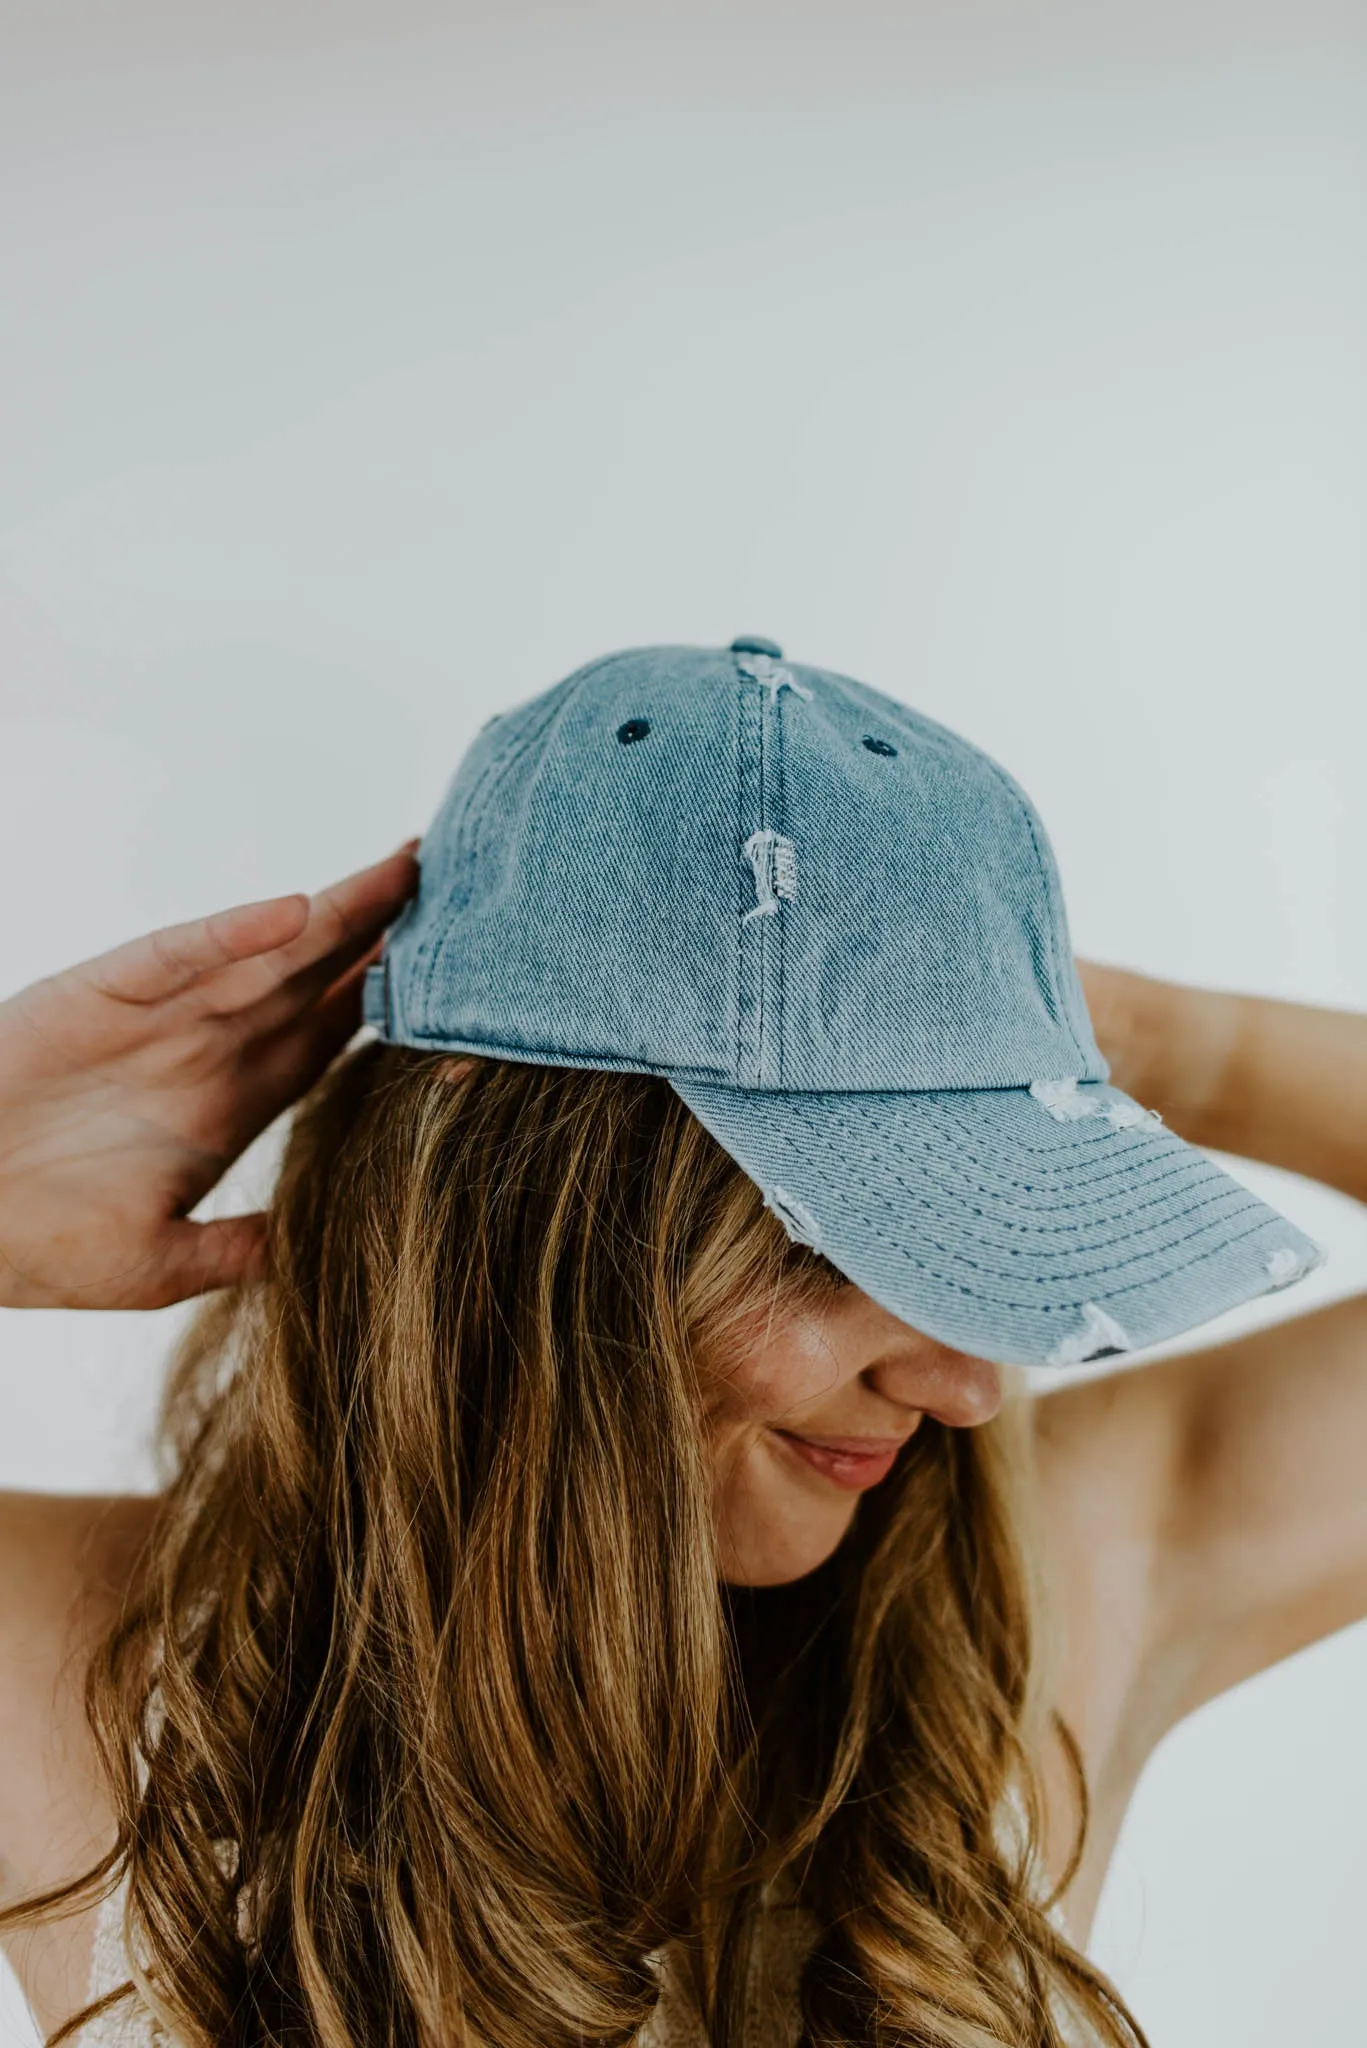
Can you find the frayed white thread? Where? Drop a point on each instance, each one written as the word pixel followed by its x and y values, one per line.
pixel 799 1222
pixel 762 668
pixel 1287 1264
pixel 1067 1105
pixel 1100 1332
pixel 773 861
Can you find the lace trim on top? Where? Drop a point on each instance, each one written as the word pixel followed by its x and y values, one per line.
pixel 129 2024
pixel 776 1961
pixel 778 1956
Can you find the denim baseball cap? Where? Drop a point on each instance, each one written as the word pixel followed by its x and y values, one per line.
pixel 836 929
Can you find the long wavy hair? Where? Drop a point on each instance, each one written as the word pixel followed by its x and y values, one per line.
pixel 428 1718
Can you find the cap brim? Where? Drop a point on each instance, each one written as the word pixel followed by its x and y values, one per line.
pixel 1003 1229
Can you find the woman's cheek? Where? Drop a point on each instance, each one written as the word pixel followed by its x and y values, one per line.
pixel 771 1527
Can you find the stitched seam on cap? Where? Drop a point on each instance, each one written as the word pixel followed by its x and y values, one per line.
pixel 530 738
pixel 739 884
pixel 491 780
pixel 1073 1172
pixel 1174 1169
pixel 781 921
pixel 503 752
pixel 1178 1217
pixel 1122 1164
pixel 1127 1217
pixel 1056 1308
pixel 1018 798
pixel 465 849
pixel 761 924
pixel 465 853
pixel 1091 1134
pixel 565 1056
pixel 1167 1222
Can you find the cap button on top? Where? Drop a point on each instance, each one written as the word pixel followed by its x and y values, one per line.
pixel 754 643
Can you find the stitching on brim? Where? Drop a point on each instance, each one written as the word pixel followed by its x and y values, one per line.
pixel 1061 1308
pixel 1182 1173
pixel 1090 1272
pixel 1189 1167
pixel 1072 1230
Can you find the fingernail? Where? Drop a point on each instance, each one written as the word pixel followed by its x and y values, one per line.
pixel 409 846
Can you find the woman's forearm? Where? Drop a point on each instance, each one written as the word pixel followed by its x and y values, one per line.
pixel 1276 1081
pixel 1295 1092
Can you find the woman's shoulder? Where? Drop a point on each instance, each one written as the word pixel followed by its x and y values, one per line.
pixel 64 1558
pixel 65 1565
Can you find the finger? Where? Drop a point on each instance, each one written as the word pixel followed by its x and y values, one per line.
pixel 202 1256
pixel 286 1065
pixel 160 964
pixel 343 918
pixel 337 1017
pixel 311 984
pixel 330 1026
pixel 163 963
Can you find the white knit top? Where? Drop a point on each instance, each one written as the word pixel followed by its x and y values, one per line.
pixel 775 1969
pixel 778 1955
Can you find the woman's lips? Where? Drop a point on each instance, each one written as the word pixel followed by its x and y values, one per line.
pixel 854 1462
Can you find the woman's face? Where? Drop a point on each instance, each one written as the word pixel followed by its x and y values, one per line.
pixel 814 1412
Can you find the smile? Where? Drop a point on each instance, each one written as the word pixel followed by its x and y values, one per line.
pixel 853 1463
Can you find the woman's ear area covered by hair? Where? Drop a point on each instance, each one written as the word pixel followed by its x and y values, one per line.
pixel 455 1067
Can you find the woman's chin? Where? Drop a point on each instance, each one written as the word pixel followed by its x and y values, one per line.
pixel 769 1553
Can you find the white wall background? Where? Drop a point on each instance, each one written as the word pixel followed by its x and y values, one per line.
pixel 362 369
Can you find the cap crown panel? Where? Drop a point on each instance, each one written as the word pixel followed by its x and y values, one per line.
pixel 926 946
pixel 584 890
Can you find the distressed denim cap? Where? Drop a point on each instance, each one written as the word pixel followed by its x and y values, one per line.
pixel 836 929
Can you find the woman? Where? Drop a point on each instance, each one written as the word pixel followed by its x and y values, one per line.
pixel 611 1582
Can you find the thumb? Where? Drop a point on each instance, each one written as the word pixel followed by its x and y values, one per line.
pixel 203 1256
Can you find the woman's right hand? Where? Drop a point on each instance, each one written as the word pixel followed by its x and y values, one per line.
pixel 130 1082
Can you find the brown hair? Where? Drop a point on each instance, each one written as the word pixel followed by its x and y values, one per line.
pixel 428 1721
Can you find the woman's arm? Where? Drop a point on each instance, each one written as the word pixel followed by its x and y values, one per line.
pixel 1282 1082
pixel 1210 1510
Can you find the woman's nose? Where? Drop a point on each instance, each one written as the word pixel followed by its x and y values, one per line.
pixel 950 1385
